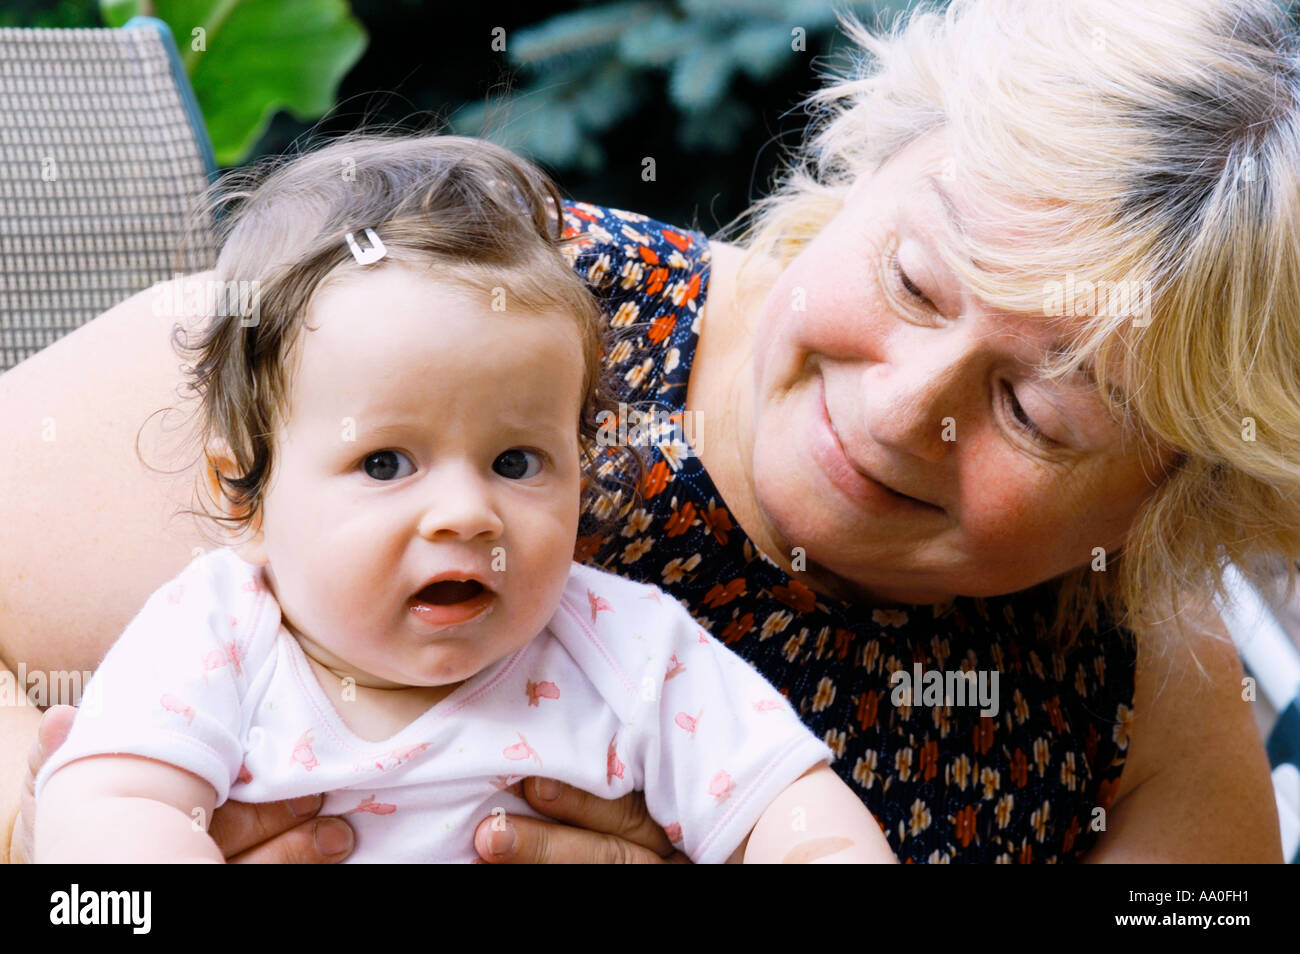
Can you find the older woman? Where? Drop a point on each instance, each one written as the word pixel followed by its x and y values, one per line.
pixel 925 443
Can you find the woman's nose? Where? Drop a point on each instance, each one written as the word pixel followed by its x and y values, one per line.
pixel 461 506
pixel 917 401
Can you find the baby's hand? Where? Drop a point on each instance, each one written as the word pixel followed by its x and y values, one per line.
pixel 282 832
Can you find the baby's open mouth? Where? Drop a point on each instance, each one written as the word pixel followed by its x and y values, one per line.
pixel 449 592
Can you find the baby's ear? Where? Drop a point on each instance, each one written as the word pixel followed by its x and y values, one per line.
pixel 250 545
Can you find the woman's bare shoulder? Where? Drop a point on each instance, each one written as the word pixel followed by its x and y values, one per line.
pixel 94 530
pixel 1195 785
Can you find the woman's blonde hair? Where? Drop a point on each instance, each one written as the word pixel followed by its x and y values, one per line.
pixel 1154 146
pixel 470 212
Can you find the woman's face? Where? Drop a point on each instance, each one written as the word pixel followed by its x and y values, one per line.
pixel 912 381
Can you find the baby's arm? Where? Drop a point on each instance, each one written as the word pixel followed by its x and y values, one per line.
pixel 125 809
pixel 816 819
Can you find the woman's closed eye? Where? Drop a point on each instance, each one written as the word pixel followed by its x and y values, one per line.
pixel 1022 419
pixel 904 285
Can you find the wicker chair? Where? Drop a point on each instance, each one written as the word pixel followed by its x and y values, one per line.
pixel 102 152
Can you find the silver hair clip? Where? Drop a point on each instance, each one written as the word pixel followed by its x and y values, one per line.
pixel 367 256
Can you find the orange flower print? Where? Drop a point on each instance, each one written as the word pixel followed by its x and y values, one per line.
pixel 1081 682
pixel 648 255
pixel 627 314
pixel 1068 778
pixel 1071 833
pixel 658 279
pixel 1039 821
pixel 720 595
pixel 775 623
pixel 864 769
pixel 939 649
pixel 1026 854
pixel 798 597
pixel 824 695
pixel 1019 768
pixel 835 740
pixel 636 550
pixel 929 764
pixel 635 376
pixel 991 780
pixel 690 292
pixel 598 269
pixel 1042 754
pixel 793 645
pixel 676 568
pixel 655 480
pixel 889 617
pixel 903 764
pixel 1020 706
pixel 868 706
pixel 1099 668
pixel 1053 709
pixel 871 655
pixel 737 629
pixel 1090 743
pixel 1123 726
pixel 823 636
pixel 718 522
pixel 661 328
pixel 920 817
pixel 964 824
pixel 680 521
pixel 940 716
pixel 622 351
pixel 1002 811
pixel 984 735
pixel 843 639
pixel 961 771
pixel 680 242
pixel 587 546
pixel 638 521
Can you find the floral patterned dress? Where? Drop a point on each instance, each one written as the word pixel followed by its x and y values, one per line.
pixel 947 784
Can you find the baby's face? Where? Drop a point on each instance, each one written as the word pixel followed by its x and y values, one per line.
pixel 429 436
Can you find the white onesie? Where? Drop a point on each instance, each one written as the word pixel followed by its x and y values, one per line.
pixel 621 691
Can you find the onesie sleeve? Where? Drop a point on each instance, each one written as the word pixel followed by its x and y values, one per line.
pixel 708 740
pixel 171 687
pixel 728 744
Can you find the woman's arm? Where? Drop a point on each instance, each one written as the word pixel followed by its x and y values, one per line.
pixel 1196 786
pixel 121 809
pixel 87 533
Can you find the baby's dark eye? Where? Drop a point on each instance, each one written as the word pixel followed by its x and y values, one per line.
pixel 517 464
pixel 387 465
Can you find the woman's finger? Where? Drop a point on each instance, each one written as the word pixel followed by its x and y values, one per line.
pixel 321 841
pixel 52 731
pixel 625 817
pixel 518 840
pixel 284 832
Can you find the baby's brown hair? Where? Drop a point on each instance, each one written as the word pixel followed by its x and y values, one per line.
pixel 488 220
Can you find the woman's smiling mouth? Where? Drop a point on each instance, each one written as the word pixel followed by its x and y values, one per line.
pixel 827 450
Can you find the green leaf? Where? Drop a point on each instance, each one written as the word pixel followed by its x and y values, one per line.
pixel 259 57
pixel 117 12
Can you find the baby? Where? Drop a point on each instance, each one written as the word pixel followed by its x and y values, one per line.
pixel 395 438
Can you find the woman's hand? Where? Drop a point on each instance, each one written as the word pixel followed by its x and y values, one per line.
pixel 606 832
pixel 270 833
